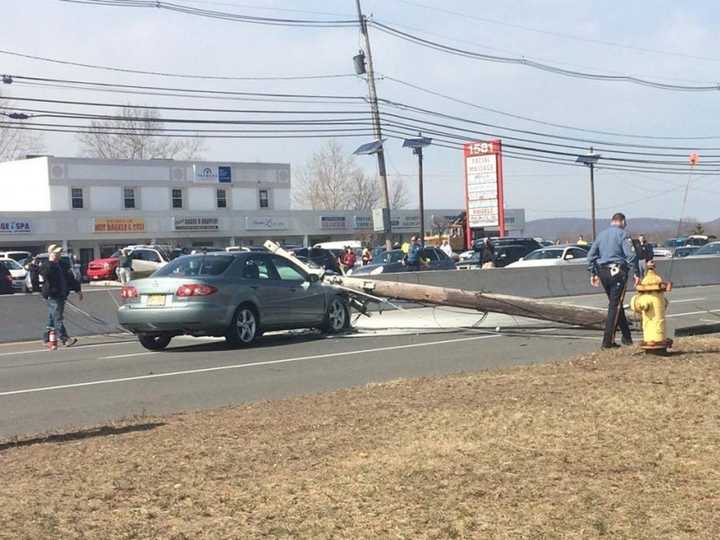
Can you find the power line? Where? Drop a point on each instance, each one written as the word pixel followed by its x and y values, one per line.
pixel 223 15
pixel 538 65
pixel 175 75
pixel 466 16
pixel 188 90
pixel 541 122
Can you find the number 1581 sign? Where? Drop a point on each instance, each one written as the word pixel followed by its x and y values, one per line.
pixel 484 186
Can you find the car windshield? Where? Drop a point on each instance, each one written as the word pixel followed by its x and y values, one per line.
pixel 10 264
pixel 544 254
pixel 389 257
pixel 709 249
pixel 195 265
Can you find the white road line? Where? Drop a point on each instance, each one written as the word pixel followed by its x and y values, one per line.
pixel 129 355
pixel 686 300
pixel 705 311
pixel 241 366
pixel 75 348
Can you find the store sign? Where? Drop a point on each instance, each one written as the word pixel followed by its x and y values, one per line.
pixel 411 222
pixel 333 223
pixel 186 223
pixel 266 223
pixel 363 222
pixel 484 184
pixel 119 225
pixel 15 226
pixel 212 174
pixel 225 175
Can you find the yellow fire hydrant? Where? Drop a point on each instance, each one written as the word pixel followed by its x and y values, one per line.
pixel 652 304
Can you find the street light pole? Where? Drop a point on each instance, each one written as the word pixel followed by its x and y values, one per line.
pixel 590 160
pixel 419 152
pixel 417 144
pixel 377 130
pixel 592 199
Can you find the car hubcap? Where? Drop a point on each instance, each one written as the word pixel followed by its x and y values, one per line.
pixel 246 326
pixel 337 315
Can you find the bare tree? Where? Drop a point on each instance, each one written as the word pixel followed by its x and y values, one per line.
pixel 16 142
pixel 136 134
pixel 331 180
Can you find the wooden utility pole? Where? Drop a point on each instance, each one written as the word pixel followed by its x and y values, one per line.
pixel 496 303
pixel 377 129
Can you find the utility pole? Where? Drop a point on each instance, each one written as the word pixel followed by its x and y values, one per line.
pixel 420 195
pixel 377 130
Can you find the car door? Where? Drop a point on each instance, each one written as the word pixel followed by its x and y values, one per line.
pixel 254 275
pixel 305 300
pixel 144 261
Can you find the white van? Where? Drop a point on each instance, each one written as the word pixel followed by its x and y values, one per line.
pixel 340 244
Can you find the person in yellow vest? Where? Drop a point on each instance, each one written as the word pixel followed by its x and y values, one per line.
pixel 581 241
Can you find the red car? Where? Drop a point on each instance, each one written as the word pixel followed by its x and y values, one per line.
pixel 103 268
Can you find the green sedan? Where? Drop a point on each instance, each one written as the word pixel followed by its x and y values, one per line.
pixel 235 295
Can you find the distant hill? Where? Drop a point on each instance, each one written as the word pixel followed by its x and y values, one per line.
pixel 569 228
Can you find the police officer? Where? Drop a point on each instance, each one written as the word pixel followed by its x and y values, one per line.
pixel 611 259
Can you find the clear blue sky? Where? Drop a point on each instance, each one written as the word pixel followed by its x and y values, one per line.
pixel 152 39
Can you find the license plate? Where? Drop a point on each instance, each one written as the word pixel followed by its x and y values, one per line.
pixel 156 300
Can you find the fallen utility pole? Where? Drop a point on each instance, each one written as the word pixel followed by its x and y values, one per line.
pixel 495 303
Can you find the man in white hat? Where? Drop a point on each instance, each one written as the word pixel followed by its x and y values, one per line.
pixel 58 281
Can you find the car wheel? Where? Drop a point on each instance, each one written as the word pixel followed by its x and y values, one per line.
pixel 337 317
pixel 154 342
pixel 244 327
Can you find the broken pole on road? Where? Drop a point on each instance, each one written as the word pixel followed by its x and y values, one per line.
pixel 441 296
pixel 495 303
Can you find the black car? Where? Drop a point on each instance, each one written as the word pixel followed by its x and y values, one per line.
pixel 325 258
pixel 531 243
pixel 504 254
pixel 6 281
pixel 393 261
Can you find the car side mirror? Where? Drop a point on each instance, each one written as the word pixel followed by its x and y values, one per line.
pixel 313 278
pixel 569 256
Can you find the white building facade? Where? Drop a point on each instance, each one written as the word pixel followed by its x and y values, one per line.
pixel 94 206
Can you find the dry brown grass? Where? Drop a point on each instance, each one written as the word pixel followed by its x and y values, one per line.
pixel 606 445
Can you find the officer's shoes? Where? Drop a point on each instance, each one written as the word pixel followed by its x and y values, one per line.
pixel 610 346
pixel 627 341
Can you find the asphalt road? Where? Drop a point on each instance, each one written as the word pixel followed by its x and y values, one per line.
pixel 107 378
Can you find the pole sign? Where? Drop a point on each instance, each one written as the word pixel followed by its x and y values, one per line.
pixel 484 187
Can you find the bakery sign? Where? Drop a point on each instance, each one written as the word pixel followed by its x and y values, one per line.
pixel 196 223
pixel 119 225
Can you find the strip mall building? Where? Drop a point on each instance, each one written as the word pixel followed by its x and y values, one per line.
pixel 94 206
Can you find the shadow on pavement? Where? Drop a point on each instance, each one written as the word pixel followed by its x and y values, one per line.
pixel 102 431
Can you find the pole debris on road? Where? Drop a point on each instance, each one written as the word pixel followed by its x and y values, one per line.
pixel 486 302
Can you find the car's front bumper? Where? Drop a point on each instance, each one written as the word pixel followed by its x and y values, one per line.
pixel 192 318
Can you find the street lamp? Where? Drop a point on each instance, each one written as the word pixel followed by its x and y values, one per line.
pixel 368 149
pixel 590 160
pixel 417 144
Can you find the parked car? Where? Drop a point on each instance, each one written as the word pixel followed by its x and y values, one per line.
pixel 15 255
pixel 713 248
pixel 146 259
pixel 684 251
pixel 17 273
pixel 505 254
pixel 393 261
pixel 6 281
pixel 235 295
pixel 42 259
pixel 661 252
pixel 325 258
pixel 552 256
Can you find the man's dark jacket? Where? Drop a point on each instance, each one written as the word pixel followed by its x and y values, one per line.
pixel 52 275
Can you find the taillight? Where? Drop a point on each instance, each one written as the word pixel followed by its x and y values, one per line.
pixel 195 289
pixel 129 292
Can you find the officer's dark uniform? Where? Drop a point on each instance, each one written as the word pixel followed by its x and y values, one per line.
pixel 612 258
